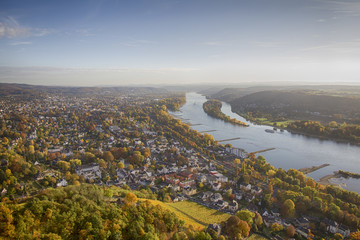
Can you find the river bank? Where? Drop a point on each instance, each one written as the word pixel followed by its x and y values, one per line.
pixel 268 123
pixel 325 180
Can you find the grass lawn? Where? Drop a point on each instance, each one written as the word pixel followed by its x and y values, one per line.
pixel 284 124
pixel 201 213
pixel 265 121
pixel 256 237
pixel 192 213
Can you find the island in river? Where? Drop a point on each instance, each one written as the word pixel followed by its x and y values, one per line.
pixel 213 108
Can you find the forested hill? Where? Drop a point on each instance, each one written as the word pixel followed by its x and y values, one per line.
pixel 232 93
pixel 86 212
pixel 24 89
pixel 229 94
pixel 298 104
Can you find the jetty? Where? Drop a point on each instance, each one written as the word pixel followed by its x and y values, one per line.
pixel 313 168
pixel 326 179
pixel 208 131
pixel 230 139
pixel 265 150
pixel 197 124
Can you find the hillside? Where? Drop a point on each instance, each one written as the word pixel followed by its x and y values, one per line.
pixel 298 105
pixel 192 213
pixel 83 212
pixel 231 94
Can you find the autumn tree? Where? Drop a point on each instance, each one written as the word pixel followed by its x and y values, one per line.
pixel 290 231
pixel 333 124
pixel 275 227
pixel 355 235
pixel 310 182
pixel 108 156
pixel 136 158
pixel 258 220
pixel 6 222
pixel 147 152
pixel 63 165
pixel 246 216
pixel 237 161
pixel 5 141
pixel 130 199
pixel 288 208
pixel 338 236
pixel 75 162
pixel 236 228
pixel 121 165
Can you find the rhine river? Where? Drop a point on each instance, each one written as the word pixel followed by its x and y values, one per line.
pixel 291 150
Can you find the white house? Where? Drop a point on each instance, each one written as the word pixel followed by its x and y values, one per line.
pixel 234 206
pixel 216 197
pixel 62 183
pixel 216 186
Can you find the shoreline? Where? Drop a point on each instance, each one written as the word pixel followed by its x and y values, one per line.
pixel 302 133
pixel 325 180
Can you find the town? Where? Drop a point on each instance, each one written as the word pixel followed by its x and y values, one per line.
pixel 130 140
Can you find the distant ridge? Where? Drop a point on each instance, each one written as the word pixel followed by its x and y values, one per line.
pixel 25 89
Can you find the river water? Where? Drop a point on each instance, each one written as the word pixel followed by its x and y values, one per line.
pixel 291 150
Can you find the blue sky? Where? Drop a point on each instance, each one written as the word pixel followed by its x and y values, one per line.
pixel 113 42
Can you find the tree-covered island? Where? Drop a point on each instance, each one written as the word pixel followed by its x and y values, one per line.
pixel 213 108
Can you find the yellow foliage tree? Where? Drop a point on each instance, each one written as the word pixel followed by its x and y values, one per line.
pixel 131 199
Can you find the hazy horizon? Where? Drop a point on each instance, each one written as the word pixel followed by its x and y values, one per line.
pixel 94 43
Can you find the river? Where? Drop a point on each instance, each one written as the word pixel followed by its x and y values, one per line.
pixel 291 150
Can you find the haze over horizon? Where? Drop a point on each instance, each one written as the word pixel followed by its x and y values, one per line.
pixel 90 43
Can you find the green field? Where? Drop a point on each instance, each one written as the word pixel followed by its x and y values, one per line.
pixel 192 213
pixel 265 121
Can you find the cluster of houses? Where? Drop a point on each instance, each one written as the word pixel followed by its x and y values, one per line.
pixel 302 224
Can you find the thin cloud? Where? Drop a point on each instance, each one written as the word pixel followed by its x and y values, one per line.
pixel 136 42
pixel 20 43
pixel 10 28
pixel 353 44
pixel 114 70
pixel 268 44
pixel 346 7
pixel 85 32
pixel 213 43
pixel 40 32
pixel 349 49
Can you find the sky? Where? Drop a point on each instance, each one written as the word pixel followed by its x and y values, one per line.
pixel 116 42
